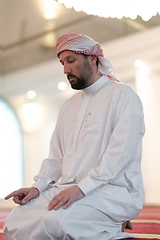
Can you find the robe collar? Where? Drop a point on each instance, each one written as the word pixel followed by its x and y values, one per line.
pixel 95 86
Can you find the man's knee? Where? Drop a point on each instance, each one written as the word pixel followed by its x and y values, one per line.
pixel 52 224
pixel 60 224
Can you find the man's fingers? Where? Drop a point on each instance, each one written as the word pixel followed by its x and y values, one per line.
pixel 8 197
pixel 60 204
pixel 11 195
pixel 67 204
pixel 56 203
pixel 16 200
pixel 33 193
pixel 20 192
pixel 27 198
pixel 23 195
pixel 66 198
pixel 52 204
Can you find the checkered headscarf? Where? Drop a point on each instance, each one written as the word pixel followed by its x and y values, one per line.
pixel 79 43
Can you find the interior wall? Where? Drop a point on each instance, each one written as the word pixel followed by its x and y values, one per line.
pixel 43 79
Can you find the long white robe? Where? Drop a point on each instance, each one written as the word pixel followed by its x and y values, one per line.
pixel 97 144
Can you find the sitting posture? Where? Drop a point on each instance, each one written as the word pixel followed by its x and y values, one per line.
pixel 90 186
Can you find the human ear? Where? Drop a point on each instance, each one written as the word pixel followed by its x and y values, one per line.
pixel 93 60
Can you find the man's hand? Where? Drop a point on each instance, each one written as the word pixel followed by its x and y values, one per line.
pixel 66 198
pixel 23 195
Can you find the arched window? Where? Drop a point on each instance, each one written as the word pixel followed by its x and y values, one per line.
pixel 11 150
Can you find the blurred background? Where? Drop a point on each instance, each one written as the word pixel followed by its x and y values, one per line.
pixel 33 86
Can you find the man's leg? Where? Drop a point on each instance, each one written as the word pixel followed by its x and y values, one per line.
pixel 78 222
pixel 26 221
pixel 101 213
pixel 81 221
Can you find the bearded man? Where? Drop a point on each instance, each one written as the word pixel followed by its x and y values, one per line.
pixel 90 186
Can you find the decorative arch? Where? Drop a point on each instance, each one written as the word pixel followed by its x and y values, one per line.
pixel 11 150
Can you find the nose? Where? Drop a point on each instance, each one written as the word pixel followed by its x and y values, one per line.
pixel 67 69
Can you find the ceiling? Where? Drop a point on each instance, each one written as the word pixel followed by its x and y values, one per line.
pixel 27 38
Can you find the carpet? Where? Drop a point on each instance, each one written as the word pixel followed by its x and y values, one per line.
pixel 145 227
pixel 3 215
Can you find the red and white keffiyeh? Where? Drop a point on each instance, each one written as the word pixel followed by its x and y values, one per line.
pixel 79 43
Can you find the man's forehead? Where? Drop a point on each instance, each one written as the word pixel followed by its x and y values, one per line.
pixel 68 53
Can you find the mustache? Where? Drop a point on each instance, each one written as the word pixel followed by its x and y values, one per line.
pixel 71 75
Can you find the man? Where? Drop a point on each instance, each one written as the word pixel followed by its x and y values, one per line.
pixel 90 186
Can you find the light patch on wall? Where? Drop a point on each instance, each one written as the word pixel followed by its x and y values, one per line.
pixel 50 8
pixel 138 63
pixel 31 94
pixel 143 83
pixel 62 86
pixel 32 116
pixel 49 40
pixel 143 72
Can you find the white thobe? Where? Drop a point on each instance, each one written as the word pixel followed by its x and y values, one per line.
pixel 97 144
pixel 97 140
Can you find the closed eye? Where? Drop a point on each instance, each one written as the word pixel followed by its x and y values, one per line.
pixel 71 60
pixel 68 59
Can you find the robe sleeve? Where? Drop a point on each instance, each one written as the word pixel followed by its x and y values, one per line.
pixel 51 167
pixel 128 130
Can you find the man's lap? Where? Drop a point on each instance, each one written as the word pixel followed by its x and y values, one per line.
pixel 80 215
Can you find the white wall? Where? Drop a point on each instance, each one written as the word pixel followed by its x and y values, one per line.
pixel 44 78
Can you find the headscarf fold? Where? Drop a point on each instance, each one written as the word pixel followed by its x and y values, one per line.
pixel 80 43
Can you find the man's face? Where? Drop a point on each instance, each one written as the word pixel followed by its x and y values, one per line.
pixel 77 68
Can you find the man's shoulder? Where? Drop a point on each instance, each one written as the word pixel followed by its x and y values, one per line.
pixel 123 92
pixel 126 94
pixel 119 88
pixel 120 85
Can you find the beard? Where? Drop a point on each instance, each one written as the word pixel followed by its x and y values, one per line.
pixel 84 79
pixel 79 83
